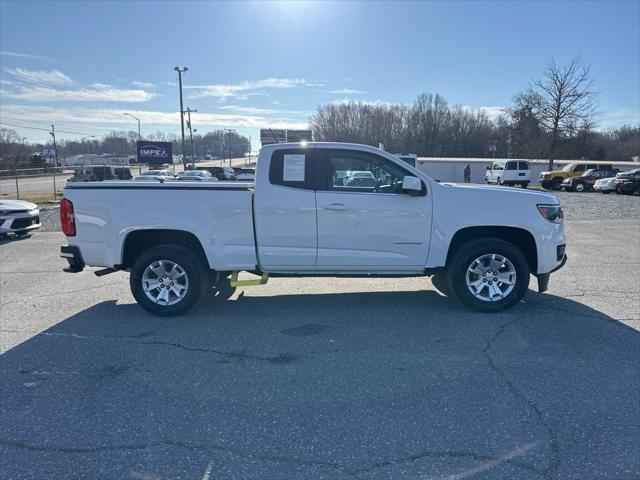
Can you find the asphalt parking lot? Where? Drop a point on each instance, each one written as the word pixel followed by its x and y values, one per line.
pixel 326 378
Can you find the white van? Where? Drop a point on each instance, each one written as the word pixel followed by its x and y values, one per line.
pixel 509 172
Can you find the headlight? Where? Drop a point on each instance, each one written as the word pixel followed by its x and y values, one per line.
pixel 552 213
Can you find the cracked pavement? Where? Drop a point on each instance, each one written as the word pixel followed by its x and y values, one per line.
pixel 323 378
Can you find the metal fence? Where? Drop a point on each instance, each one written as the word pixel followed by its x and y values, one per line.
pixel 42 182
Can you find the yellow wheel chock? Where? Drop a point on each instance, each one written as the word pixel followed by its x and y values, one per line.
pixel 247 283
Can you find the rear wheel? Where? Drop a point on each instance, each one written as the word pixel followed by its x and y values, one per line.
pixel 580 187
pixel 168 280
pixel 489 275
pixel 524 184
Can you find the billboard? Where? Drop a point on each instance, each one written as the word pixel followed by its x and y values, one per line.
pixel 49 152
pixel 154 153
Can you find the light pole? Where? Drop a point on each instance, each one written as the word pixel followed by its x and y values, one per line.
pixel 126 113
pixel 180 72
pixel 83 139
pixel 229 131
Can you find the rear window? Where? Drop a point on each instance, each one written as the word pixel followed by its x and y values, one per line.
pixel 512 165
pixel 292 168
pixel 523 165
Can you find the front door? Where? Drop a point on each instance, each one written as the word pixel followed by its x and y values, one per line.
pixel 364 220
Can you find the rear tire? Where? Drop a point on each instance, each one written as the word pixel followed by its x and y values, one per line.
pixel 524 185
pixel 168 280
pixel 496 259
pixel 580 187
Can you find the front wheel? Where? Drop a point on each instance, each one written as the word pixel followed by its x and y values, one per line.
pixel 580 187
pixel 168 280
pixel 556 183
pixel 489 275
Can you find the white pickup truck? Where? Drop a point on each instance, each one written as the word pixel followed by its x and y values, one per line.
pixel 312 212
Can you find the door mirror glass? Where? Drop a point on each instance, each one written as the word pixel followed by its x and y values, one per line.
pixel 412 185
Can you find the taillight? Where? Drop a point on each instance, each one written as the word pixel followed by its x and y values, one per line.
pixel 67 219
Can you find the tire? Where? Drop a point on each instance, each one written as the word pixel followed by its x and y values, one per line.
pixel 524 184
pixel 580 187
pixel 606 192
pixel 499 181
pixel 556 183
pixel 514 267
pixel 190 274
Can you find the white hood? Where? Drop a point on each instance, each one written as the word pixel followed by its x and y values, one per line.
pixel 16 205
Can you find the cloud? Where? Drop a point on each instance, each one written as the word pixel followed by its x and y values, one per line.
pixel 374 103
pixel 27 55
pixel 621 116
pixel 97 92
pixel 348 91
pixel 135 83
pixel 244 89
pixel 112 116
pixel 265 111
pixel 40 77
pixel 493 112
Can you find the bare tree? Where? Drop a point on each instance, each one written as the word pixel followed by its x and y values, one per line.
pixel 562 100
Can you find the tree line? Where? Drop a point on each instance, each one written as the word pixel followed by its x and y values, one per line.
pixel 14 153
pixel 553 118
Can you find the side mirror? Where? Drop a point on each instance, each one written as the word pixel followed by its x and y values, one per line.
pixel 412 185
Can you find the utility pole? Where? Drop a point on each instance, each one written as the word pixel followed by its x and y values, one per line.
pixel 136 118
pixel 180 72
pixel 55 149
pixel 229 130
pixel 188 112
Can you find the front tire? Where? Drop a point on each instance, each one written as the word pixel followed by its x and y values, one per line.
pixel 580 187
pixel 556 183
pixel 168 280
pixel 489 275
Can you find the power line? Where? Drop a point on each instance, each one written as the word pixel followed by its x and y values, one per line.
pixel 39 128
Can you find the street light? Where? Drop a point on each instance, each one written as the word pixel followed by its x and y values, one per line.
pixel 83 138
pixel 180 72
pixel 126 113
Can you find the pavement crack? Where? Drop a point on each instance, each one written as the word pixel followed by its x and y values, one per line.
pixel 485 461
pixel 282 358
pixel 29 299
pixel 554 463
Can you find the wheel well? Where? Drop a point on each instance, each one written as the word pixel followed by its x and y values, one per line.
pixel 139 241
pixel 519 237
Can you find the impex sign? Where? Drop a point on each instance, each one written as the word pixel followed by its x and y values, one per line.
pixel 154 152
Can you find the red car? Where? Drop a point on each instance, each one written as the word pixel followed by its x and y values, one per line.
pixel 587 180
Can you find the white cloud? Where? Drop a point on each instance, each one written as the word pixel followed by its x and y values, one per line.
pixel 40 77
pixel 112 116
pixel 143 84
pixel 265 111
pixel 493 112
pixel 243 89
pixel 26 55
pixel 97 92
pixel 375 103
pixel 348 91
pixel 619 117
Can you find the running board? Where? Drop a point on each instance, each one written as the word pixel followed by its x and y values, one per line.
pixel 248 283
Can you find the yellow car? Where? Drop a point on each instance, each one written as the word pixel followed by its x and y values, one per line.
pixel 553 180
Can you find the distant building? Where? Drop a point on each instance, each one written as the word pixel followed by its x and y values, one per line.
pixel 95 159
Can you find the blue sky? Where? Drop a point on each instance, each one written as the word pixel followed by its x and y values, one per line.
pixel 80 65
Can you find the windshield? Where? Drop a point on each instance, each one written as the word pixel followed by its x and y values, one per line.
pixel 568 167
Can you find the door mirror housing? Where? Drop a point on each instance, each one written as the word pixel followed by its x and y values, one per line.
pixel 412 185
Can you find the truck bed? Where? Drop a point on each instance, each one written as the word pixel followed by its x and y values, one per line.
pixel 219 214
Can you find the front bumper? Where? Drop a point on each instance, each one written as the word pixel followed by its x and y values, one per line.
pixel 74 257
pixel 19 222
pixel 543 278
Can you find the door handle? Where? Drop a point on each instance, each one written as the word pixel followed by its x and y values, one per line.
pixel 336 206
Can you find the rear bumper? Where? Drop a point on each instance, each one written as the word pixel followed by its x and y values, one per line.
pixel 74 258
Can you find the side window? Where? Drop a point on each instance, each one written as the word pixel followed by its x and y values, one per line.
pixel 292 168
pixel 353 171
pixel 579 168
pixel 496 166
pixel 523 166
pixel 512 165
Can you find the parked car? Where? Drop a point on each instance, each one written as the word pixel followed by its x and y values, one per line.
pixel 606 185
pixel 628 182
pixel 196 175
pixel 587 180
pixel 222 173
pixel 509 172
pixel 553 180
pixel 151 175
pixel 97 173
pixel 298 220
pixel 18 217
pixel 245 174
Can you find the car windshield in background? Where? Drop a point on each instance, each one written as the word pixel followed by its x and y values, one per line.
pixel 568 167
